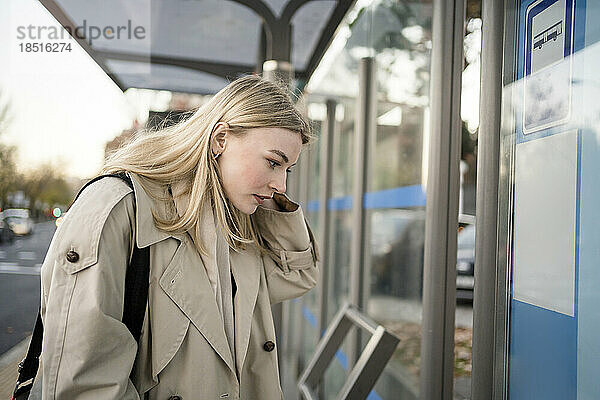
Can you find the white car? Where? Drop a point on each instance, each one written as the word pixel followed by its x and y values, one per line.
pixel 18 221
pixel 465 262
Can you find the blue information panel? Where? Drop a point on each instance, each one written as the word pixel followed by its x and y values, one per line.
pixel 554 317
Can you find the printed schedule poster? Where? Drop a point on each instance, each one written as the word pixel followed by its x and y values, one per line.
pixel 547 87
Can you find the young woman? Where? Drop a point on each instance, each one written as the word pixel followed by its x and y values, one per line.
pixel 225 244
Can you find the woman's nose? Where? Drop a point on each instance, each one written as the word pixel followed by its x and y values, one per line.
pixel 278 184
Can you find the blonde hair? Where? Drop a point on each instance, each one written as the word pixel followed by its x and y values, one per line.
pixel 182 154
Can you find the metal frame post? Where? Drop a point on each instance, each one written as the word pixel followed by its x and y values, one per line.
pixel 278 71
pixel 326 172
pixel 484 297
pixel 506 156
pixel 439 279
pixel 365 126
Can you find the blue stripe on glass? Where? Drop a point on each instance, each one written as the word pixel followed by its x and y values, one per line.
pixel 309 316
pixel 342 359
pixel 400 197
pixel 340 203
pixel 312 205
pixel 407 196
pixel 373 396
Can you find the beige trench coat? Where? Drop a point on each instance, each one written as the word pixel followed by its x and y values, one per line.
pixel 88 352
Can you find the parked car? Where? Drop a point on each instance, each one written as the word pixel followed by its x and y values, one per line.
pixel 397 247
pixel 465 262
pixel 397 242
pixel 18 221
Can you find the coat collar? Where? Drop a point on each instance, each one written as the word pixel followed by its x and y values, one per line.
pixel 146 232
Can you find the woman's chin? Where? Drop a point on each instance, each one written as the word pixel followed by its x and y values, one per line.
pixel 251 210
pixel 247 209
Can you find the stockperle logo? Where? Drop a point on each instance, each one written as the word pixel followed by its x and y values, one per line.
pixel 84 31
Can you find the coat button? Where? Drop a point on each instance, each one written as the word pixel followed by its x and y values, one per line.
pixel 72 256
pixel 269 346
pixel 175 397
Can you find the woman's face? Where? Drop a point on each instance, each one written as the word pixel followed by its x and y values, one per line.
pixel 255 163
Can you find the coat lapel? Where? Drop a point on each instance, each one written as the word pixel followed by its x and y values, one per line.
pixel 186 283
pixel 246 272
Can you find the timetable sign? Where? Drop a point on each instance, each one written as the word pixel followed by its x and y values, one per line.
pixel 547 83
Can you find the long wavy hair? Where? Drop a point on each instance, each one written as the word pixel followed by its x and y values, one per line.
pixel 181 154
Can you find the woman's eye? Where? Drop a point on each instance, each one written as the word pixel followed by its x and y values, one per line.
pixel 274 164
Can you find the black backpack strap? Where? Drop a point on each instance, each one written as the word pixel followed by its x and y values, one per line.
pixel 121 175
pixel 137 280
pixel 134 309
pixel 28 367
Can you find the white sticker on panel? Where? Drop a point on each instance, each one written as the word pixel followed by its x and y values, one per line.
pixel 545 221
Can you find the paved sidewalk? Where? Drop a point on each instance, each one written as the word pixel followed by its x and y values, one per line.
pixel 8 368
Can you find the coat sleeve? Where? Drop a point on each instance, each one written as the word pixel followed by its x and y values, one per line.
pixel 87 352
pixel 292 267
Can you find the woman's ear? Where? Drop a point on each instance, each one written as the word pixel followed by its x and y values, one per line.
pixel 219 138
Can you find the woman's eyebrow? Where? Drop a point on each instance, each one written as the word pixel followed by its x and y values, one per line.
pixel 282 155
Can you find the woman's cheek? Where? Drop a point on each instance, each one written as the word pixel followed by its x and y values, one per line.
pixel 243 173
pixel 257 180
pixel 253 176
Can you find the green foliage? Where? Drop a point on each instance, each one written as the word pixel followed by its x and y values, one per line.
pixel 44 186
pixel 7 164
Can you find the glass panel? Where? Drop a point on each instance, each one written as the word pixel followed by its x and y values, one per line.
pixel 310 334
pixel 401 41
pixel 550 160
pixel 337 78
pixel 398 35
pixel 341 210
pixel 309 22
pixel 396 263
pixel 309 302
pixel 340 242
pixel 337 372
pixel 159 77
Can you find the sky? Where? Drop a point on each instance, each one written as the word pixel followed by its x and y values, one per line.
pixel 63 107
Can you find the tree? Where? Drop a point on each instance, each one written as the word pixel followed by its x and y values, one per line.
pixel 45 187
pixel 8 169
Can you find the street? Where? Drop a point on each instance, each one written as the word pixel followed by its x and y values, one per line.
pixel 20 263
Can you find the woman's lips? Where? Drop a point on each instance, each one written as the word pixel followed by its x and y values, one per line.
pixel 259 199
